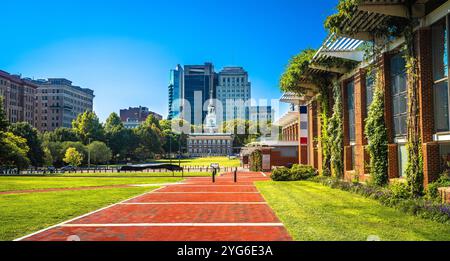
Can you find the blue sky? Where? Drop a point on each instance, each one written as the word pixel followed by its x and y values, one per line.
pixel 123 50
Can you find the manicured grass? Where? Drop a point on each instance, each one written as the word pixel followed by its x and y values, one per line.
pixel 223 161
pixel 29 183
pixel 136 174
pixel 22 214
pixel 312 212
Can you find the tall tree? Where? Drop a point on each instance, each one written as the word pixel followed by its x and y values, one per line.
pixel 87 126
pixel 30 134
pixel 13 150
pixel 113 123
pixel 100 153
pixel 65 134
pixel 150 138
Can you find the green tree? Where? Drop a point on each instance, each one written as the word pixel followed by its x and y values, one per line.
pixel 13 150
pixel 113 123
pixel 87 126
pixel 100 153
pixel 80 147
pixel 73 157
pixel 121 141
pixel 4 123
pixel 30 134
pixel 48 158
pixel 171 139
pixel 64 134
pixel 150 137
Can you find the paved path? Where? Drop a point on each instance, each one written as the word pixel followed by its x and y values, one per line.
pixel 196 210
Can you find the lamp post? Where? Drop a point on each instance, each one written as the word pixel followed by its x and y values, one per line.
pixel 89 153
pixel 170 147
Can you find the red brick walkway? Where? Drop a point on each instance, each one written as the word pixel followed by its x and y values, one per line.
pixel 196 210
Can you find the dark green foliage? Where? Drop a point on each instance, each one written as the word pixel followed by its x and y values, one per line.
pixel 62 135
pixel 296 173
pixel 30 134
pixel 256 161
pixel 376 134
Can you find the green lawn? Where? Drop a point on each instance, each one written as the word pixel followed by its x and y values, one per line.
pixel 312 212
pixel 22 214
pixel 29 183
pixel 223 162
pixel 135 174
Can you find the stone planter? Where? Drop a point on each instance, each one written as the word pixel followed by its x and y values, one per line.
pixel 445 194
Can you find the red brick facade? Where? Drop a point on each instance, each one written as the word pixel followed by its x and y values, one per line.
pixel 358 164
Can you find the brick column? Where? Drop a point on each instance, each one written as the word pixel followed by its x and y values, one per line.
pixel 393 171
pixel 312 133
pixel 319 144
pixel 430 149
pixel 360 115
pixel 384 65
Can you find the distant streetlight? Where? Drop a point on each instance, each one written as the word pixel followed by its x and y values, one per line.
pixel 89 153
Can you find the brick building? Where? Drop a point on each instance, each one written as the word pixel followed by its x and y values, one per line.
pixel 59 102
pixel 19 98
pixel 132 117
pixel 431 48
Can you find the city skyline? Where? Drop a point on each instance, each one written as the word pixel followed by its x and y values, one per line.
pixel 125 54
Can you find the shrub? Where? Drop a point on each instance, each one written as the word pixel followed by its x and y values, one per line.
pixel 297 172
pixel 302 172
pixel 432 192
pixel 281 174
pixel 400 190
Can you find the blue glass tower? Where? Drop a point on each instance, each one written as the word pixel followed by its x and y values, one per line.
pixel 175 92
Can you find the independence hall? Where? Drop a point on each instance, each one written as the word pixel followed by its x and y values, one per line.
pixel 358 33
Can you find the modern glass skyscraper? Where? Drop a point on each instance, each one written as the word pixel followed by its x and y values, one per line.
pixel 176 92
pixel 199 86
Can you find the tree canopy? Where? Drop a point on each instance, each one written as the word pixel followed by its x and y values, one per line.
pixel 87 126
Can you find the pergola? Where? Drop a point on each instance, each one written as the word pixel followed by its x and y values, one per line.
pixel 369 14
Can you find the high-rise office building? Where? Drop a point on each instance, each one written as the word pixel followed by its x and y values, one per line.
pixel 234 92
pixel 176 88
pixel 58 103
pixel 19 98
pixel 260 114
pixel 199 86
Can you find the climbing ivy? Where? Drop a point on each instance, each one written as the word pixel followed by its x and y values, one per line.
pixel 296 72
pixel 376 133
pixel 414 168
pixel 335 129
pixel 324 139
pixel 256 161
